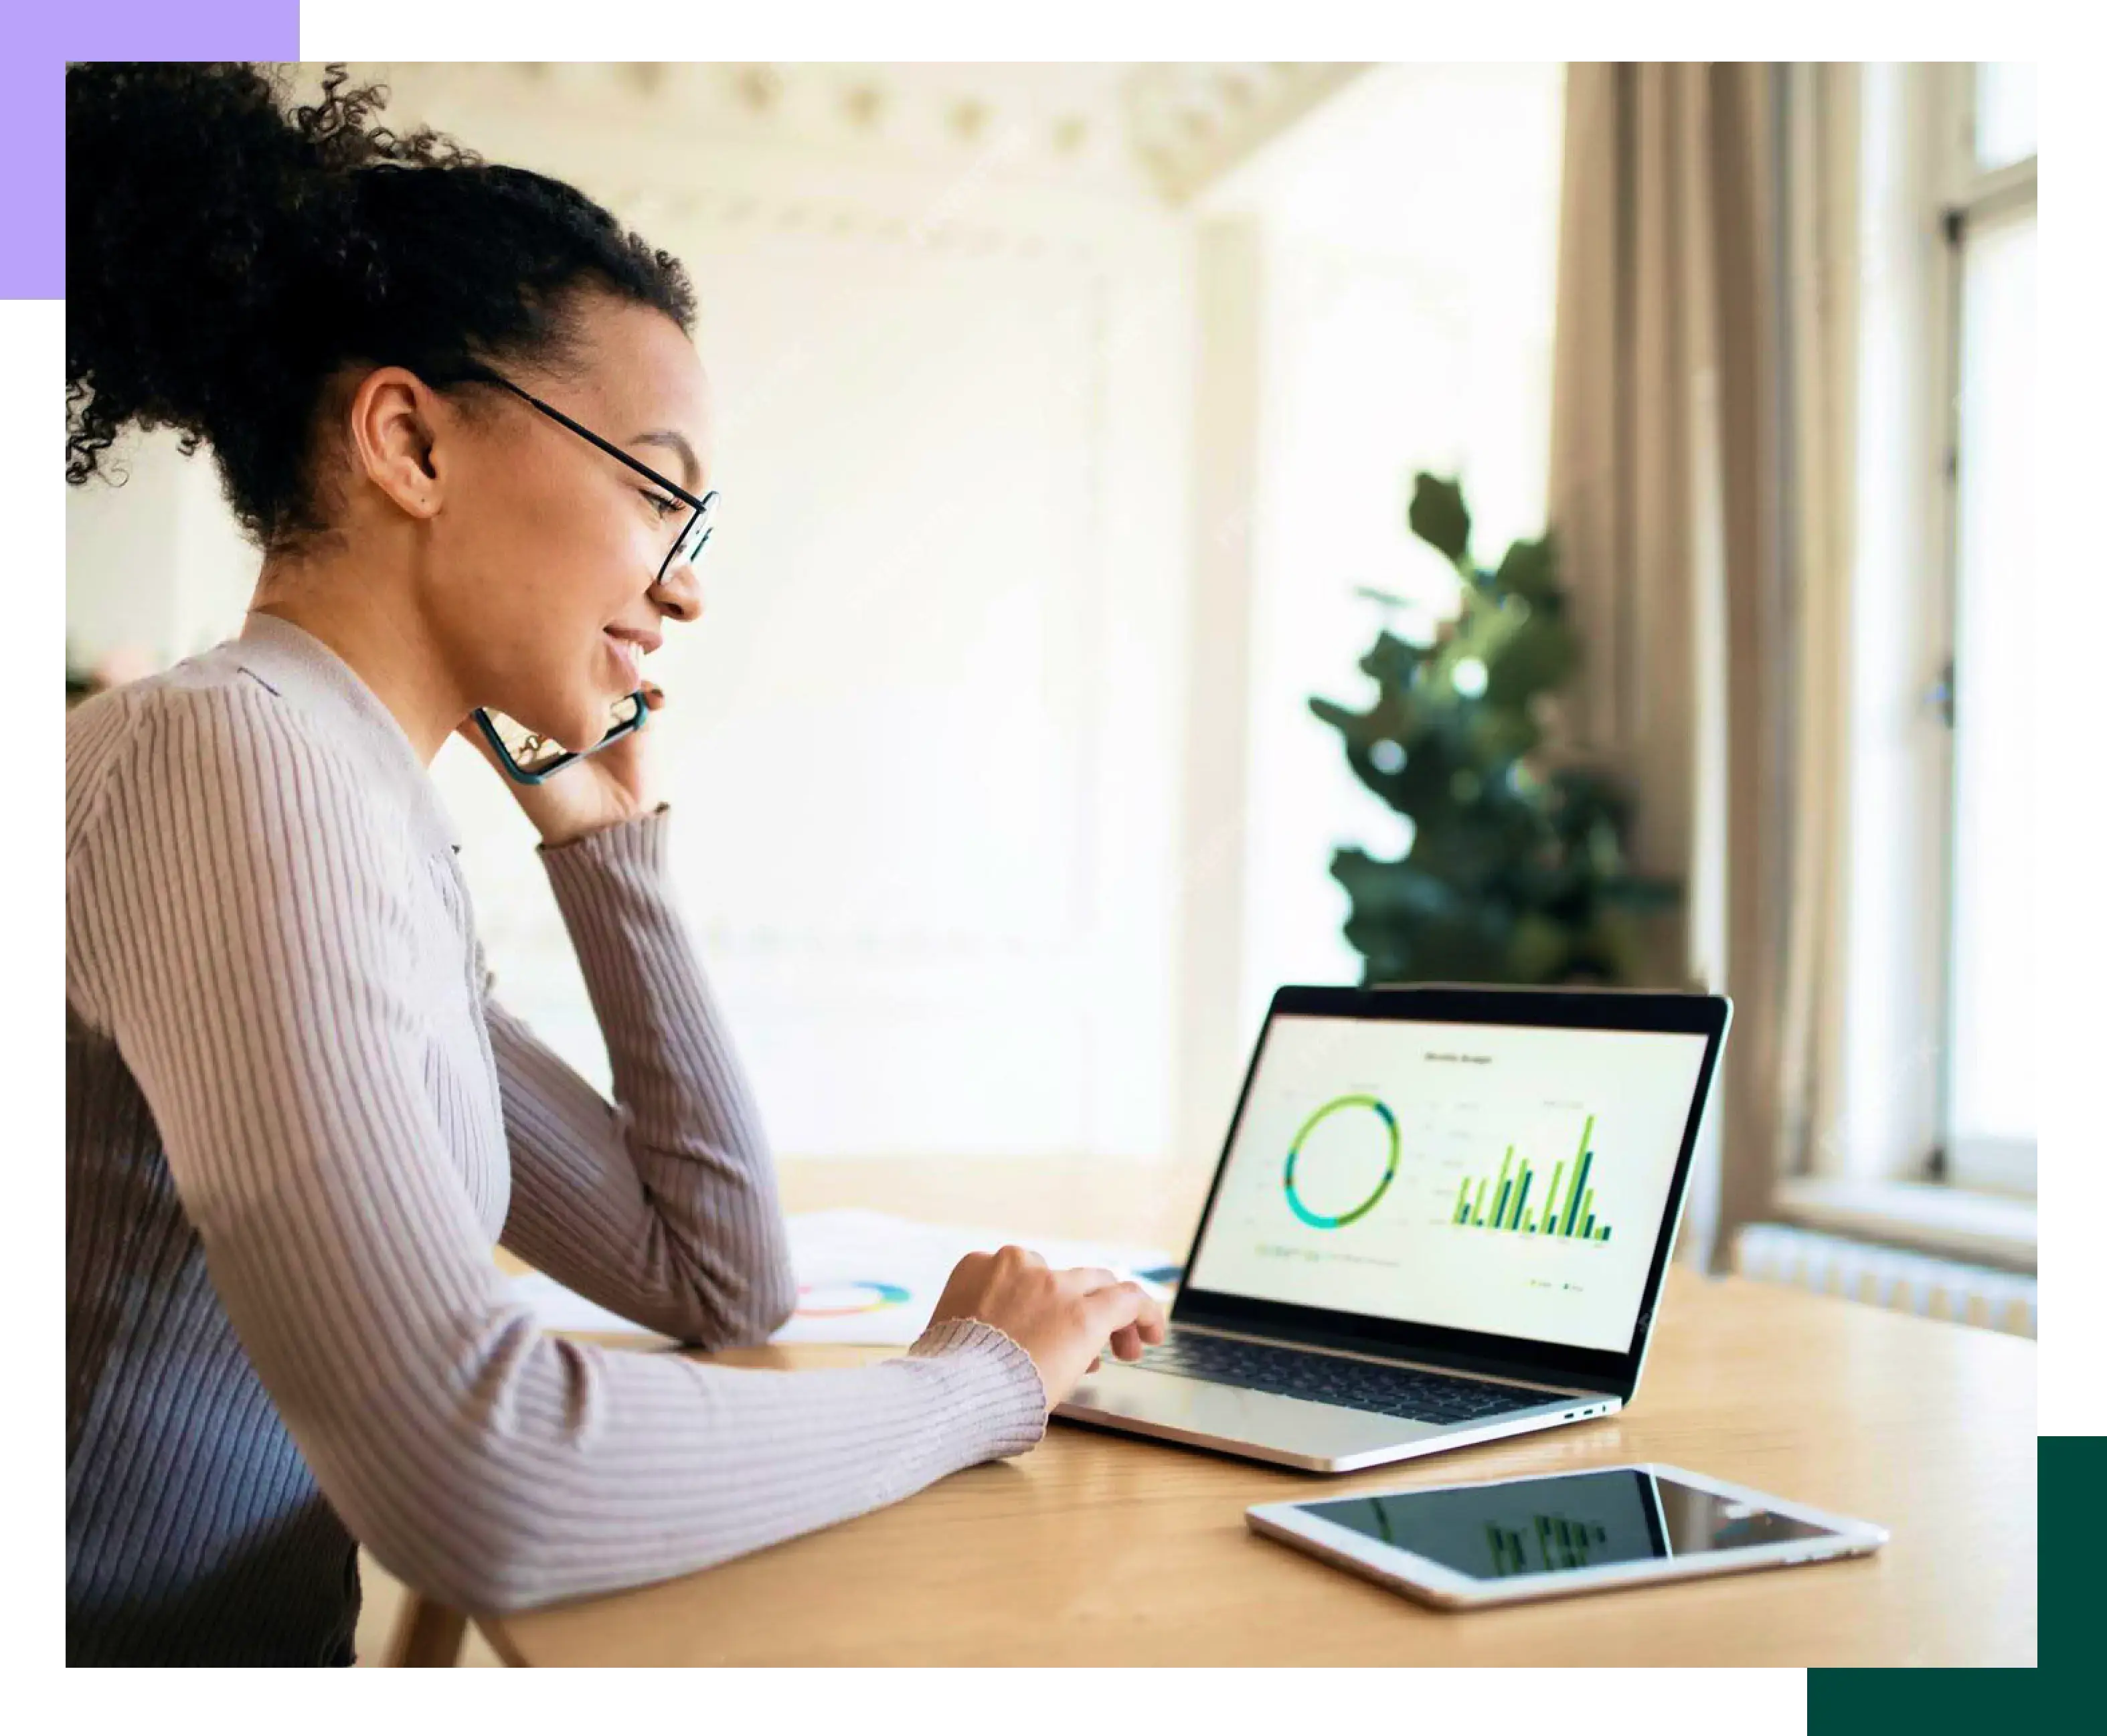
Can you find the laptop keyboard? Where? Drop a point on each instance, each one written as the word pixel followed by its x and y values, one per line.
pixel 1414 1393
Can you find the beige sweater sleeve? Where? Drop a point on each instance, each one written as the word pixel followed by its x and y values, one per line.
pixel 241 929
pixel 662 1206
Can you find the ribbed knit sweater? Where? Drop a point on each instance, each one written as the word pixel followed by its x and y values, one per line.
pixel 297 1122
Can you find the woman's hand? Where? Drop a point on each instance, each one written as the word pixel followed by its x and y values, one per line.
pixel 1063 1319
pixel 589 795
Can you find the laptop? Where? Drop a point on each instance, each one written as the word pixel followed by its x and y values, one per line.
pixel 1441 1217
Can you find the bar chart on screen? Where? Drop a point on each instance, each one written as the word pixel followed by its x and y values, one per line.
pixel 1498 1179
pixel 1559 1543
pixel 1565 1208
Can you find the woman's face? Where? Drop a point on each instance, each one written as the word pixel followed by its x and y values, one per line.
pixel 542 569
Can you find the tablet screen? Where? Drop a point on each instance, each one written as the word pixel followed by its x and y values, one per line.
pixel 1557 1524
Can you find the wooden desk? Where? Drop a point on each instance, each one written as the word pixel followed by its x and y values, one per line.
pixel 1099 1550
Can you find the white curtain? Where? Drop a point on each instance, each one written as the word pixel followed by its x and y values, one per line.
pixel 1699 495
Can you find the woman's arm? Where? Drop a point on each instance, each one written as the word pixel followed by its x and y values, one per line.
pixel 239 920
pixel 662 1206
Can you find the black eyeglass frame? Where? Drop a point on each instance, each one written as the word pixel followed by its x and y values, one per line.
pixel 641 713
pixel 491 377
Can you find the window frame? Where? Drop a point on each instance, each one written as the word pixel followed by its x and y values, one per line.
pixel 1964 194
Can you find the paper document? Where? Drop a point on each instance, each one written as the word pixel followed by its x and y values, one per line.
pixel 869 1278
pixel 561 1310
pixel 865 1277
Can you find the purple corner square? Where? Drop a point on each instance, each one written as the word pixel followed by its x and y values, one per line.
pixel 42 38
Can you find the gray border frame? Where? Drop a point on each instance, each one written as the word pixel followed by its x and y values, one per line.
pixel 35 1045
pixel 2074 727
pixel 863 1703
pixel 30 340
pixel 868 28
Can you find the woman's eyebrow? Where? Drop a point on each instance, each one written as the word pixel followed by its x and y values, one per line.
pixel 676 442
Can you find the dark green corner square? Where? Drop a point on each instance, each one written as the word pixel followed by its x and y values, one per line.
pixel 1848 1702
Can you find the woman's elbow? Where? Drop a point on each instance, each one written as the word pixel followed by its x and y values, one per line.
pixel 747 1309
pixel 776 1300
pixel 479 1574
pixel 492 1553
pixel 740 1293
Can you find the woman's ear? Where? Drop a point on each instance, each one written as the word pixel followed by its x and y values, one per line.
pixel 394 439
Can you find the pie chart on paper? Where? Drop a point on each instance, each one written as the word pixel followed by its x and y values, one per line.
pixel 836 1301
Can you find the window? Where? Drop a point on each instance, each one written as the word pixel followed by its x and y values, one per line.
pixel 1931 1005
pixel 1986 1112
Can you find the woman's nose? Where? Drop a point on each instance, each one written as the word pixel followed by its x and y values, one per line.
pixel 679 592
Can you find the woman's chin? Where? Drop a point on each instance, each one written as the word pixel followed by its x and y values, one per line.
pixel 578 740
pixel 577 721
pixel 590 723
pixel 566 730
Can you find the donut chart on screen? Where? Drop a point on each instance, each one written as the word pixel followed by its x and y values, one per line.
pixel 849 1296
pixel 1317 1220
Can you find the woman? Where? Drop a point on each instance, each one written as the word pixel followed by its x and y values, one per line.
pixel 296 1122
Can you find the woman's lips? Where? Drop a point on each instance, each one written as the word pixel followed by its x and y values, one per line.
pixel 630 655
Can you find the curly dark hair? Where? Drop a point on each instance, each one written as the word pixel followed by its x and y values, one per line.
pixel 227 255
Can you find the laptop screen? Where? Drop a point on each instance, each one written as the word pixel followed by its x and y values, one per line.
pixel 1500 1178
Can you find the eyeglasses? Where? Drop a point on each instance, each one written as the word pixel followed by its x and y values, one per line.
pixel 527 756
pixel 688 545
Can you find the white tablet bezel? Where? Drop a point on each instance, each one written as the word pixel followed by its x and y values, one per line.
pixel 1293 1523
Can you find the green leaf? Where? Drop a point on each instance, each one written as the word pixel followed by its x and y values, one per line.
pixel 1336 714
pixel 1529 572
pixel 1538 950
pixel 1518 872
pixel 1500 733
pixel 1536 658
pixel 1437 515
pixel 1394 662
pixel 1393 892
pixel 1642 895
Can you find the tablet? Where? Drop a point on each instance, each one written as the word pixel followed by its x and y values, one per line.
pixel 1466 1544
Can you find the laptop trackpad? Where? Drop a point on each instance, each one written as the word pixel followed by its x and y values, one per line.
pixel 1199 1410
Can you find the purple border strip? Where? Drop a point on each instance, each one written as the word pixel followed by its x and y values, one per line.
pixel 44 35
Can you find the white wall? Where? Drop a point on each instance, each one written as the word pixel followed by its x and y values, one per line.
pixel 925 745
pixel 1408 279
pixel 925 741
pixel 1002 812
pixel 155 563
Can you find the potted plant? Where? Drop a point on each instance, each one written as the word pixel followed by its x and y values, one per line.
pixel 1517 871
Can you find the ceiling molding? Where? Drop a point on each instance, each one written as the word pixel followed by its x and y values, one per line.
pixel 1191 122
pixel 848 219
pixel 1159 131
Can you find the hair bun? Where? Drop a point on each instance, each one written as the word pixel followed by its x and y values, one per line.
pixel 228 254
pixel 199 215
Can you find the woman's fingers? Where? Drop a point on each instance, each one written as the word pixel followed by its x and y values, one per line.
pixel 1068 1322
pixel 1125 1304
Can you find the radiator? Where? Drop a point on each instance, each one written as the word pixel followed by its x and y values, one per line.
pixel 1889 1277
